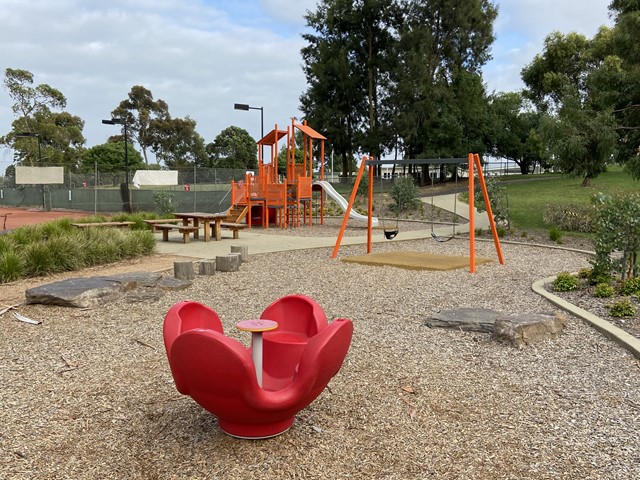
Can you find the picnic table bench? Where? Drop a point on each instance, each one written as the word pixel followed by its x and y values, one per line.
pixel 103 224
pixel 185 230
pixel 234 227
pixel 160 221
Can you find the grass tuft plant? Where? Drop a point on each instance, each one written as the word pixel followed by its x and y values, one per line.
pixel 11 267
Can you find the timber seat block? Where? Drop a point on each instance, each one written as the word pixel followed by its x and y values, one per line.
pixel 185 230
pixel 228 263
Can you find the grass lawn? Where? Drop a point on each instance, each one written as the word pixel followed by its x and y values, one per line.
pixel 529 199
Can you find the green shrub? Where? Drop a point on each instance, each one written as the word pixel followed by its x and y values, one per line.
pixel 555 235
pixel 403 194
pixel 584 273
pixel 502 231
pixel 570 218
pixel 565 282
pixel 164 202
pixel 11 267
pixel 617 229
pixel 622 308
pixel 630 286
pixel 499 201
pixel 603 290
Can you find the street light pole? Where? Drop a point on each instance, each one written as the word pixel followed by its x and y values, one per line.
pixel 246 107
pixel 126 196
pixel 37 135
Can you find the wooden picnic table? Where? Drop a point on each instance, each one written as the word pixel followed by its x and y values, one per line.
pixel 207 220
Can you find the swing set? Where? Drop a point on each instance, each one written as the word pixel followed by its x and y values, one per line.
pixel 473 160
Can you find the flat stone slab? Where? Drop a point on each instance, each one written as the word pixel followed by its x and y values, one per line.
pixel 520 330
pixel 76 292
pixel 92 291
pixel 469 319
pixel 174 284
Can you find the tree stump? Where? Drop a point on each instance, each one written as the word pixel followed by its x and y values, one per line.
pixel 207 267
pixel 243 250
pixel 183 270
pixel 228 263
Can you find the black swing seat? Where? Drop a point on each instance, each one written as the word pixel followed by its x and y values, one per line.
pixel 390 234
pixel 441 239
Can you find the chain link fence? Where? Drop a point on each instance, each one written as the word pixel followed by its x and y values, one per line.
pixel 198 189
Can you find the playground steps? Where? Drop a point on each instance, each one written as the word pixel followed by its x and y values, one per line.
pixel 237 214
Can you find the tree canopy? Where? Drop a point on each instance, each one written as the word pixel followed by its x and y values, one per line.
pixel 233 148
pixel 109 157
pixel 54 136
pixel 394 74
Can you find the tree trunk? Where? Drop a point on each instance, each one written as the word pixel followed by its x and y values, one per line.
pixel 587 180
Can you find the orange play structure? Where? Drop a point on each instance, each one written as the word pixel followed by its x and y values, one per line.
pixel 270 198
pixel 473 161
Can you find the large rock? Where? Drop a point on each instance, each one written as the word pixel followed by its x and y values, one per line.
pixel 76 292
pixel 91 291
pixel 520 330
pixel 470 319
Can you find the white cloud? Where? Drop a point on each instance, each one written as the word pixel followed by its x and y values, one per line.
pixel 522 26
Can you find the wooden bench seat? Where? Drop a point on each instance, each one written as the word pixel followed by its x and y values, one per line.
pixel 103 224
pixel 234 227
pixel 159 221
pixel 185 230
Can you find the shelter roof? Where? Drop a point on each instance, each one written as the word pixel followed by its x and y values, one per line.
pixel 271 137
pixel 307 130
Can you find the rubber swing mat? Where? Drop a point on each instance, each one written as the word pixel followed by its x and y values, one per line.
pixel 415 260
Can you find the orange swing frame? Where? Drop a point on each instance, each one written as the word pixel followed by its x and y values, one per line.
pixel 473 160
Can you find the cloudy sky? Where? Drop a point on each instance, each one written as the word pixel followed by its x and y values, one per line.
pixel 202 56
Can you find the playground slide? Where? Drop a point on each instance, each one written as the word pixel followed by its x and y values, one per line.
pixel 328 188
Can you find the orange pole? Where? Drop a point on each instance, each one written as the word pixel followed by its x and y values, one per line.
pixel 343 227
pixel 492 222
pixel 370 209
pixel 321 159
pixel 472 233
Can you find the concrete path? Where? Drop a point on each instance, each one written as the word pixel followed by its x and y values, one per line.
pixel 265 243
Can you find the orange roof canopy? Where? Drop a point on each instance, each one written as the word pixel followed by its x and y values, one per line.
pixel 272 137
pixel 310 132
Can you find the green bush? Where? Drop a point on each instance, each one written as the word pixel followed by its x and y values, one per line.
pixel 164 202
pixel 630 286
pixel 622 308
pixel 617 229
pixel 603 290
pixel 570 218
pixel 565 282
pixel 499 201
pixel 403 194
pixel 555 235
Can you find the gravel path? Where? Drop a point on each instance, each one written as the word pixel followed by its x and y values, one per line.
pixel 88 394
